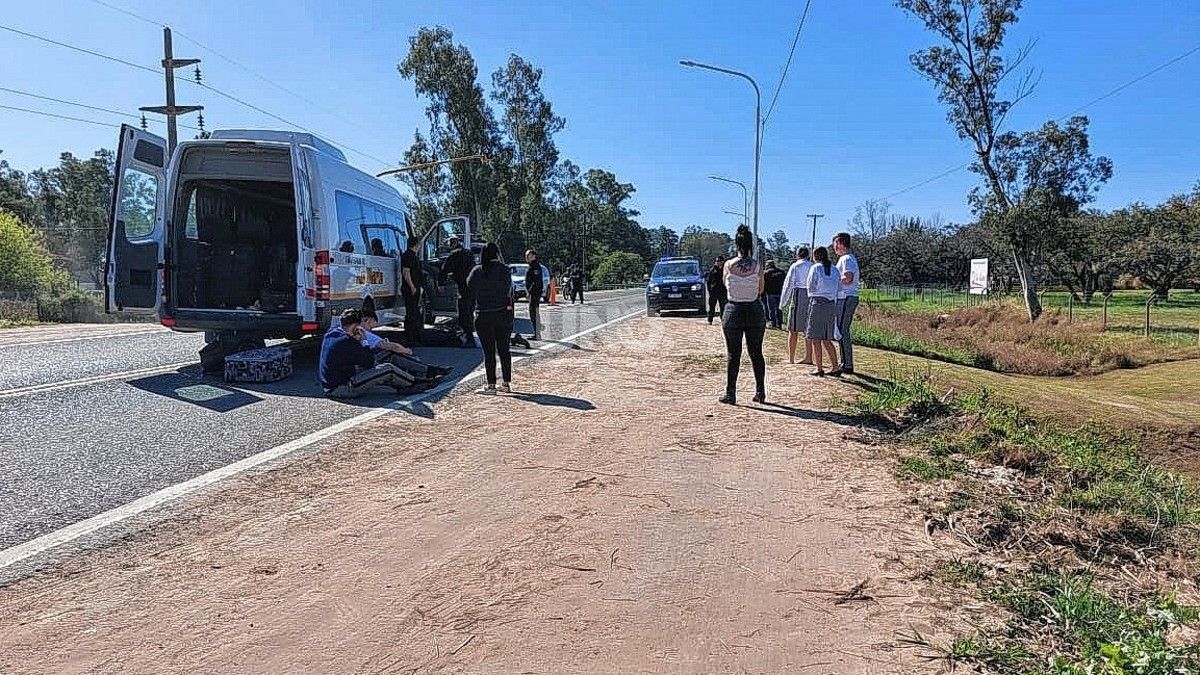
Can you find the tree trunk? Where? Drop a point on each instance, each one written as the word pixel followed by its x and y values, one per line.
pixel 1162 290
pixel 1033 304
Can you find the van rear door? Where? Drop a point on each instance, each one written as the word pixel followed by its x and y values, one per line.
pixel 132 280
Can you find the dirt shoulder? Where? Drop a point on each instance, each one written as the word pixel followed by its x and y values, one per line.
pixel 619 520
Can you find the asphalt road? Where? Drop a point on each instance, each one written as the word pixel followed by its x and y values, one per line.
pixel 95 417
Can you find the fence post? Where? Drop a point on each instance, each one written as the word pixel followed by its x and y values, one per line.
pixel 1070 308
pixel 1149 301
pixel 1104 313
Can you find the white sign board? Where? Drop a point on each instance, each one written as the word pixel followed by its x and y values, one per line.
pixel 979 276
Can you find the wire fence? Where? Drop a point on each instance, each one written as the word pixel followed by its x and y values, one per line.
pixel 1175 319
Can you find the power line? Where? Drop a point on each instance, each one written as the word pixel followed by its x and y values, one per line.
pixel 238 64
pixel 198 84
pixel 787 65
pixel 106 57
pixel 61 117
pixel 84 105
pixel 1078 110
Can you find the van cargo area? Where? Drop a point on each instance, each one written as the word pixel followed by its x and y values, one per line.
pixel 235 239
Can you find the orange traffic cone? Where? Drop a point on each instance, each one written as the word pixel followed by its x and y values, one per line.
pixel 553 291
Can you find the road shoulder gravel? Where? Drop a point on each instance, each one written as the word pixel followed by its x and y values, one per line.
pixel 611 518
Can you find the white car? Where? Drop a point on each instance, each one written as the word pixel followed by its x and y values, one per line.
pixel 519 270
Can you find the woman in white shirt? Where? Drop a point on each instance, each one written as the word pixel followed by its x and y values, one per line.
pixel 795 293
pixel 823 283
pixel 744 316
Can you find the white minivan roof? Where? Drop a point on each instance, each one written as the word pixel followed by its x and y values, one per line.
pixel 301 138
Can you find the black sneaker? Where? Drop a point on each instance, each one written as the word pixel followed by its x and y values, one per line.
pixel 728 399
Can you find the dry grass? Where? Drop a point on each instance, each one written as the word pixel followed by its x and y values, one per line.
pixel 999 337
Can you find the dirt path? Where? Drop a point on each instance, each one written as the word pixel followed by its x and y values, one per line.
pixel 621 521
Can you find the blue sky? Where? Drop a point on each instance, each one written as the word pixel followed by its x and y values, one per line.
pixel 853 121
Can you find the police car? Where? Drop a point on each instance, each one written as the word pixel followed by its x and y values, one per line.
pixel 675 283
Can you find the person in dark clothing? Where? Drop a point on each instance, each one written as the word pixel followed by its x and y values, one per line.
pixel 577 284
pixel 534 287
pixel 773 280
pixel 714 279
pixel 411 281
pixel 347 369
pixel 386 351
pixel 377 248
pixel 457 266
pixel 490 288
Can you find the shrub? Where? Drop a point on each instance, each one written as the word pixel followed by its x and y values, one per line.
pixel 26 267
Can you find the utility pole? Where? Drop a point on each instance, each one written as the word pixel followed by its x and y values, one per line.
pixel 814 216
pixel 172 111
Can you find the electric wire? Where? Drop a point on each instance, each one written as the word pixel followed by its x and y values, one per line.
pixel 61 117
pixel 77 104
pixel 788 65
pixel 202 85
pixel 1078 110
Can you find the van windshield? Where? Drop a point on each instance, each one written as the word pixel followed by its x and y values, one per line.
pixel 683 268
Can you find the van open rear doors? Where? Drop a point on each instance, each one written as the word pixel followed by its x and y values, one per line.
pixel 136 230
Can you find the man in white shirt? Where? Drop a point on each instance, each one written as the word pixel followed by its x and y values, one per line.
pixel 847 297
pixel 397 354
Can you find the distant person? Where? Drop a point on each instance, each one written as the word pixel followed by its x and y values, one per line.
pixel 714 280
pixel 386 351
pixel 534 287
pixel 489 286
pixel 847 302
pixel 822 285
pixel 773 279
pixel 744 317
pixel 795 295
pixel 412 279
pixel 457 266
pixel 347 369
pixel 346 247
pixel 577 284
pixel 377 248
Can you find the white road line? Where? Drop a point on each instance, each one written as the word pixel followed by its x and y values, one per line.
pixel 94 379
pixel 21 552
pixel 82 338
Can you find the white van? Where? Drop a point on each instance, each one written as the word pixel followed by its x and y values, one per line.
pixel 253 234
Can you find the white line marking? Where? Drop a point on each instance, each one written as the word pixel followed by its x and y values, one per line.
pixel 15 554
pixel 82 338
pixel 94 379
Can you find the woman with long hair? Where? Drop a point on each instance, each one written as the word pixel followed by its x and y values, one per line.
pixel 795 294
pixel 744 317
pixel 489 286
pixel 822 285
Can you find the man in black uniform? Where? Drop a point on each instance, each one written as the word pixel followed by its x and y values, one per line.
pixel 772 288
pixel 412 280
pixel 714 279
pixel 457 266
pixel 534 285
pixel 577 284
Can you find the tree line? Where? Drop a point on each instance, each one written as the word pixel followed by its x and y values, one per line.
pixel 1087 253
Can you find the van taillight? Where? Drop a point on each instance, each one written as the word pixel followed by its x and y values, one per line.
pixel 322 271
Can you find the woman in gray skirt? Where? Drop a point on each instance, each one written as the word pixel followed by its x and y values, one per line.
pixel 795 293
pixel 822 285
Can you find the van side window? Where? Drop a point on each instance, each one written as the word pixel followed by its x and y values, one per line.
pixel 136 202
pixel 350 219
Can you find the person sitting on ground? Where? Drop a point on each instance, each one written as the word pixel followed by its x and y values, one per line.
pixel 347 369
pixel 386 351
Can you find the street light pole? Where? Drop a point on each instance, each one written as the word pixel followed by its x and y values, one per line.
pixel 745 195
pixel 757 126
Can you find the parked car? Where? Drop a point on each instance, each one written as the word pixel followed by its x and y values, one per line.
pixel 518 271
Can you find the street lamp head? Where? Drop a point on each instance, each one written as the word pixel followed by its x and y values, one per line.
pixel 687 62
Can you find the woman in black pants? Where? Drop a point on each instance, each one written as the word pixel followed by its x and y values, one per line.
pixel 744 316
pixel 489 286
